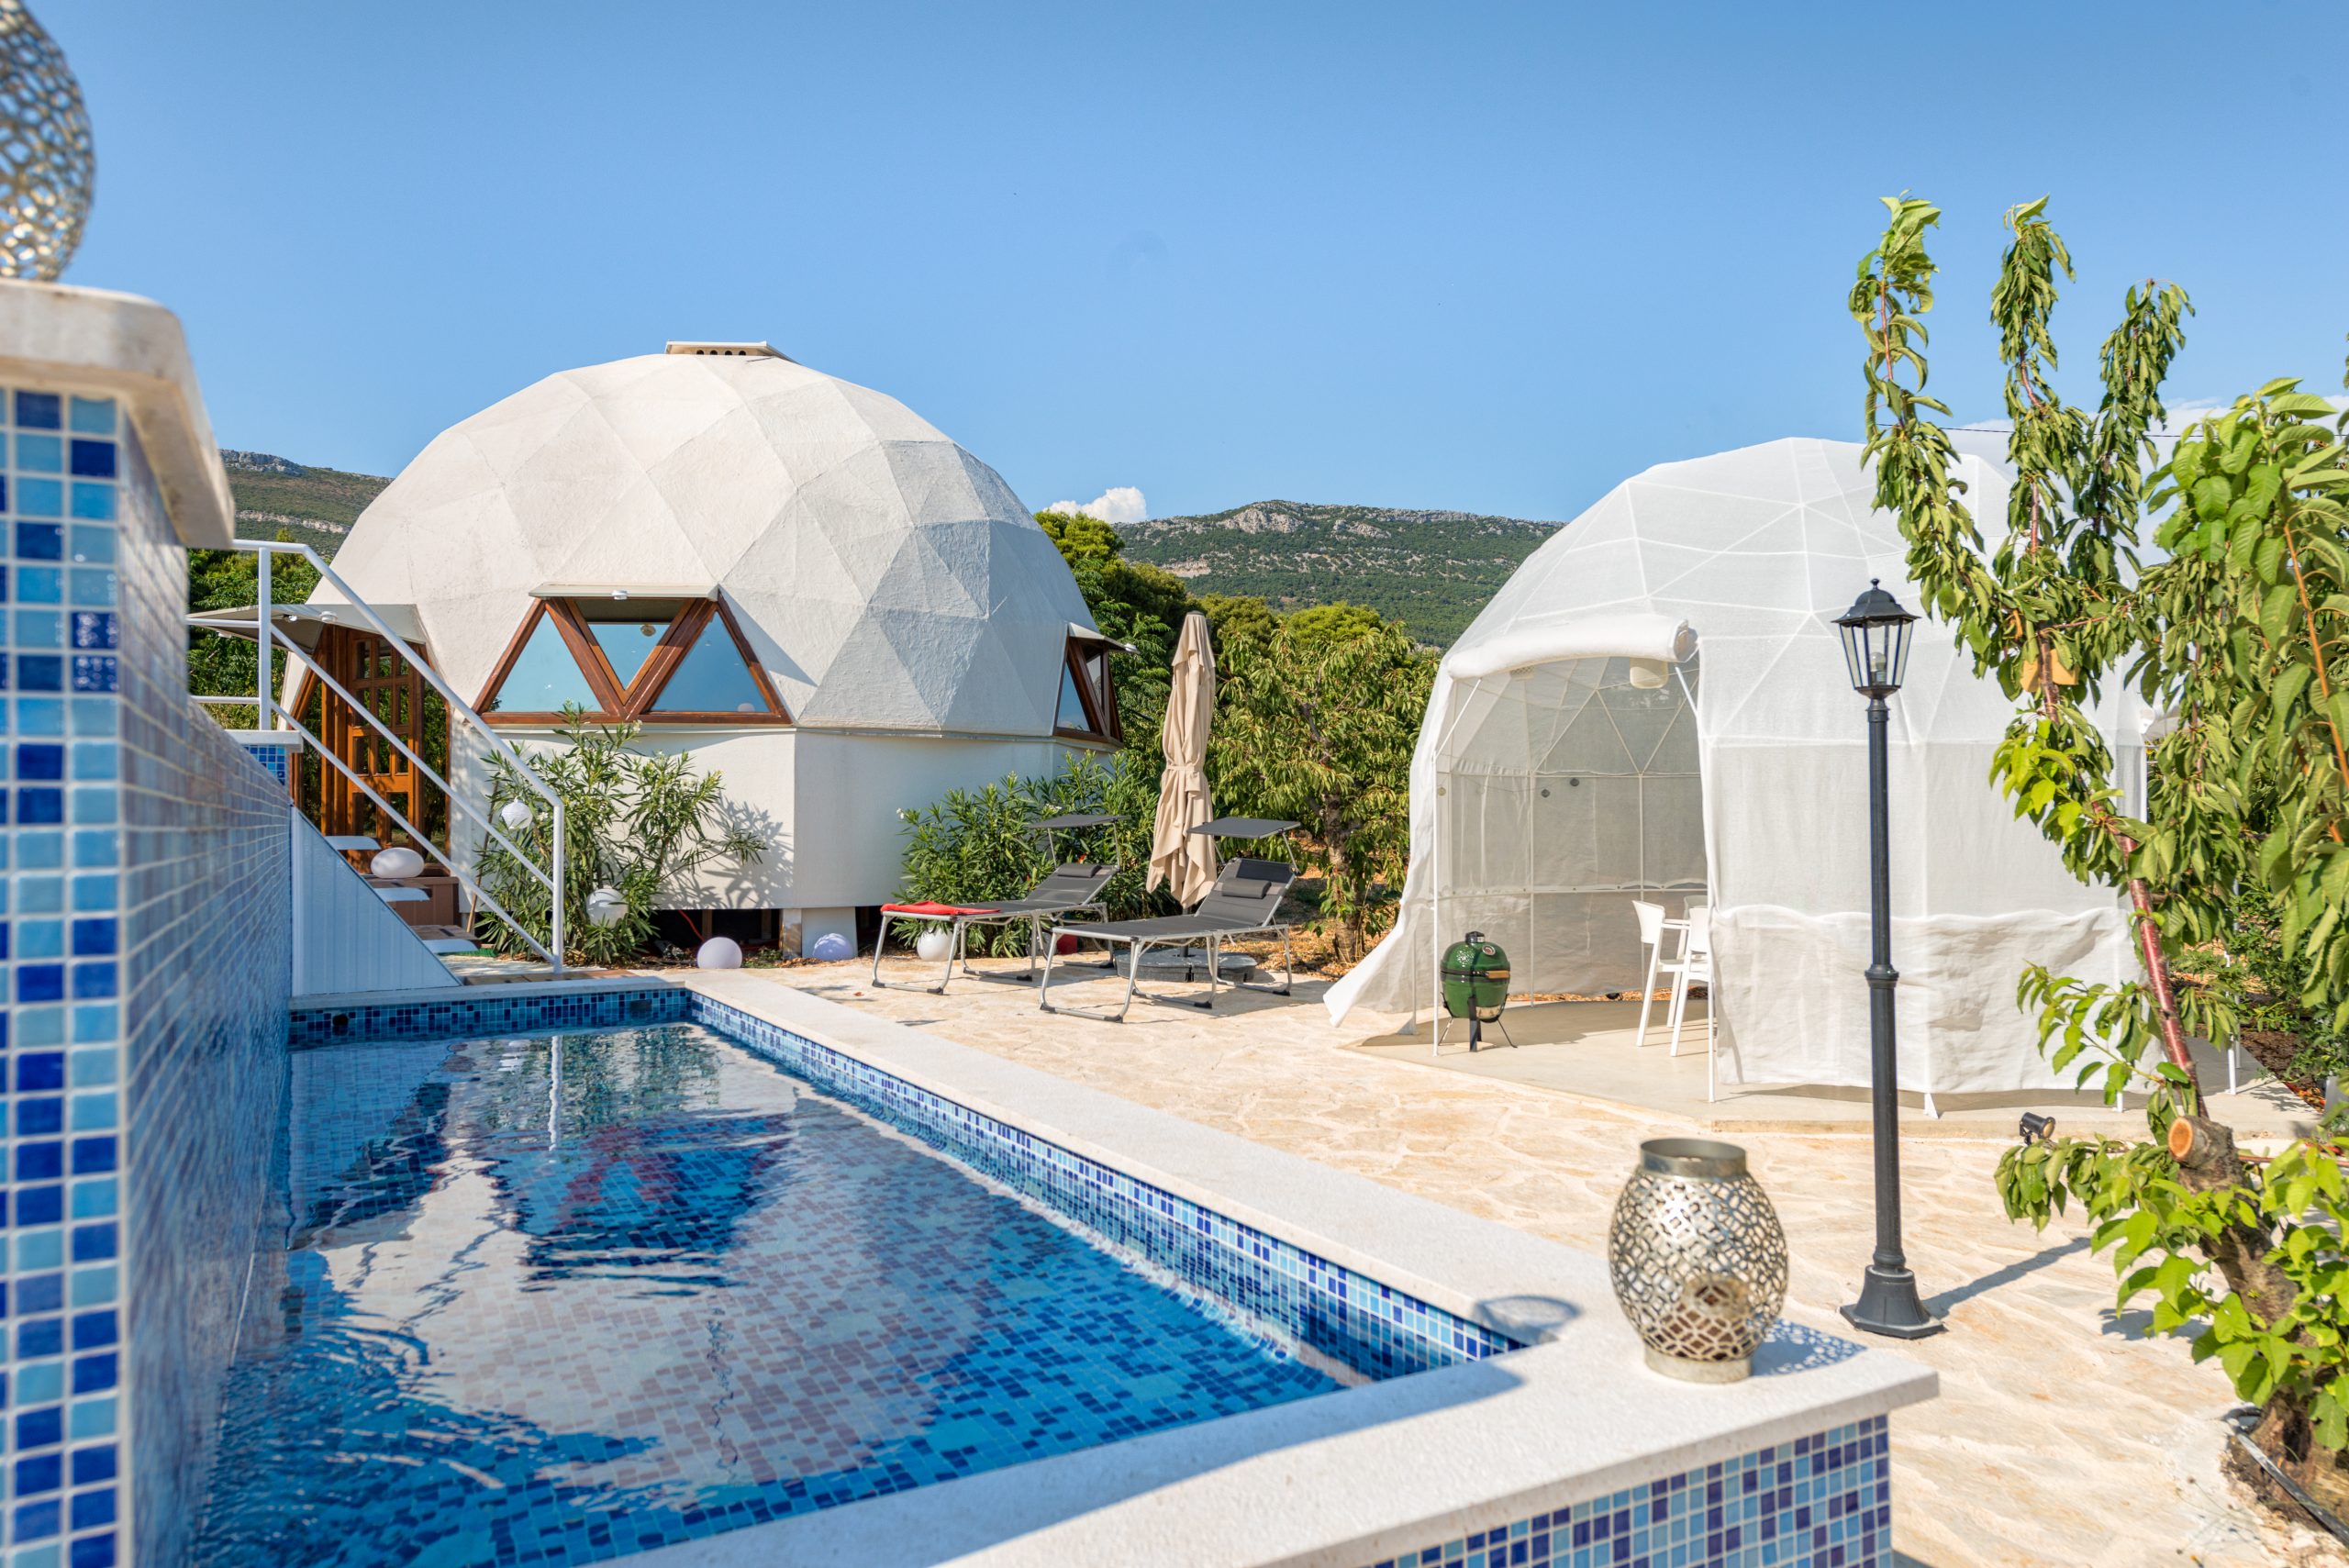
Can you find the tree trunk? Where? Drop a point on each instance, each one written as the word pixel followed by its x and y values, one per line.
pixel 2286 1437
pixel 2207 1162
pixel 1337 891
pixel 2156 966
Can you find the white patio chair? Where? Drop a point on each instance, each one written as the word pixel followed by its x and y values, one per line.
pixel 1652 926
pixel 1694 965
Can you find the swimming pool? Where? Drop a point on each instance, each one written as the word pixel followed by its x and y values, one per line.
pixel 561 1297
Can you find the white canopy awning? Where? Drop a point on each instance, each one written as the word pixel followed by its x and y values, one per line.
pixel 304 623
pixel 1629 634
pixel 1082 633
pixel 625 591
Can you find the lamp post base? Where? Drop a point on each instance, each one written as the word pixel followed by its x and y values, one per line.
pixel 1889 1306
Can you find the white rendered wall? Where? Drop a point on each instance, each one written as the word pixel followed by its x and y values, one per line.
pixel 828 803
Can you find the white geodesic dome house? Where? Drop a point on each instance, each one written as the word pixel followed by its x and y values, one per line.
pixel 1655 706
pixel 796 578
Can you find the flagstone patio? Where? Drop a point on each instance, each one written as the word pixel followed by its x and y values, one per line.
pixel 2059 1438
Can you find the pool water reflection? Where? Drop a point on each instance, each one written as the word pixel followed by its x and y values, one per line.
pixel 552 1300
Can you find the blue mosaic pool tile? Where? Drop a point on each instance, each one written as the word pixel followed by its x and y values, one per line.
pixel 275 757
pixel 507 1010
pixel 1370 1327
pixel 789 1305
pixel 1821 1501
pixel 61 1354
pixel 140 869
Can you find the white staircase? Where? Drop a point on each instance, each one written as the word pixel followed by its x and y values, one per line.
pixel 337 913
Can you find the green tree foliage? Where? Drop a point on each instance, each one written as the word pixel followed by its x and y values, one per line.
pixel 1081 537
pixel 2235 627
pixel 2262 983
pixel 1320 729
pixel 1326 626
pixel 642 823
pixel 978 845
pixel 1138 604
pixel 1237 616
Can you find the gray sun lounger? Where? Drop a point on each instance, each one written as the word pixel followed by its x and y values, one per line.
pixel 1069 890
pixel 1245 901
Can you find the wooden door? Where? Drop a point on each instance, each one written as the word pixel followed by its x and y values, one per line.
pixel 380 673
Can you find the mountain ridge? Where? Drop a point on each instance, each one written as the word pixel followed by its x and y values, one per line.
pixel 312 505
pixel 1432 568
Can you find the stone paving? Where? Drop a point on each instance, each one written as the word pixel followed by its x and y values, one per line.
pixel 2059 1438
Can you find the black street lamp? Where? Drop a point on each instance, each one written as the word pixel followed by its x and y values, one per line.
pixel 1875 647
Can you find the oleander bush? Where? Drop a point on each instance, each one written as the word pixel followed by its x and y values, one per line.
pixel 645 824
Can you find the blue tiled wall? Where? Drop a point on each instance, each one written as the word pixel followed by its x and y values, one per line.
pixel 147 980
pixel 1823 1501
pixel 275 757
pixel 207 883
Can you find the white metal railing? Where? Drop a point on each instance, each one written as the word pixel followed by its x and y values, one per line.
pixel 271 714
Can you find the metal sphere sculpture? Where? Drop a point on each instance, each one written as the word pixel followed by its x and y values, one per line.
pixel 47 167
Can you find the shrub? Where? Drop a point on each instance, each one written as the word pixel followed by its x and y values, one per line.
pixel 979 844
pixel 640 823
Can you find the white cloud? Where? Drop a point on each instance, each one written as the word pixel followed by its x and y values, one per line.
pixel 1119 504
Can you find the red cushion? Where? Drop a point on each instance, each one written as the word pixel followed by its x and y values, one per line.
pixel 934 909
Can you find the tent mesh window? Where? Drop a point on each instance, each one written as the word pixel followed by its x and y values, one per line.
pixel 1576 793
pixel 1088 705
pixel 649 660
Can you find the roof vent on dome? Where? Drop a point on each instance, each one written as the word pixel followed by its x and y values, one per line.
pixel 734 351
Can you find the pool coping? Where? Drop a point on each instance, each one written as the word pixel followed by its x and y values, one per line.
pixel 1575 1416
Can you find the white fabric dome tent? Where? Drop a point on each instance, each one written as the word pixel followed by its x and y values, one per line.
pixel 881 619
pixel 1656 705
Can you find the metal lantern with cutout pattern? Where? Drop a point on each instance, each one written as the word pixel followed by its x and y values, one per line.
pixel 1699 1260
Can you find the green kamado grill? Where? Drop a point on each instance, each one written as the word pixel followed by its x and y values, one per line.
pixel 1475 984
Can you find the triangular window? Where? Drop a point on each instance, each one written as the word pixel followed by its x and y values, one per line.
pixel 626 632
pixel 542 677
pixel 1074 714
pixel 660 661
pixel 1088 702
pixel 713 677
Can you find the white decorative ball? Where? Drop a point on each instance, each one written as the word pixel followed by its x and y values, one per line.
pixel 397 864
pixel 607 906
pixel 719 952
pixel 831 947
pixel 515 814
pixel 933 945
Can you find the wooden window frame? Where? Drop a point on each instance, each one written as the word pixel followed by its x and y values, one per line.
pixel 632 704
pixel 669 655
pixel 1106 728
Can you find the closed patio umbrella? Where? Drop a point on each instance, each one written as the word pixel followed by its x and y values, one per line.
pixel 1183 860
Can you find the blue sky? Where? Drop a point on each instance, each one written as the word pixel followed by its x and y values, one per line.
pixel 1486 257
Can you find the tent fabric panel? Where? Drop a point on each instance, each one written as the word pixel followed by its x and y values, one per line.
pixel 1793 1009
pixel 1763 798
